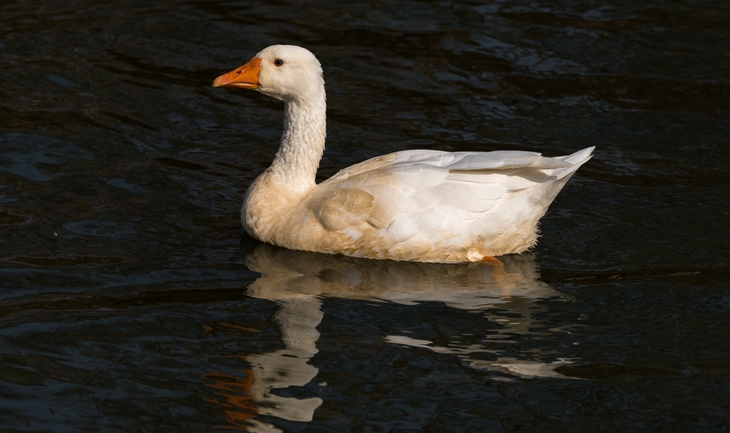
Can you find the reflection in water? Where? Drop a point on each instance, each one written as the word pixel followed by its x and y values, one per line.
pixel 297 281
pixel 245 397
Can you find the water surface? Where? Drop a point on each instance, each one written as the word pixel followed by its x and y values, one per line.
pixel 130 302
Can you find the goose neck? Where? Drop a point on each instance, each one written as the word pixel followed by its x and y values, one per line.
pixel 302 143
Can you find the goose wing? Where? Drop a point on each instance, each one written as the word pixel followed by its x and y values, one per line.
pixel 417 192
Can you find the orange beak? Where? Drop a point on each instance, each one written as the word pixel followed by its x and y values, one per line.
pixel 245 77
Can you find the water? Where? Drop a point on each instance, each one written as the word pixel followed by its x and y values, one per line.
pixel 130 302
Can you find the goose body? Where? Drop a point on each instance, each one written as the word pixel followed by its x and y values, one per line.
pixel 414 205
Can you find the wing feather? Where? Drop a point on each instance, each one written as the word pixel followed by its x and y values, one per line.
pixel 343 207
pixel 409 193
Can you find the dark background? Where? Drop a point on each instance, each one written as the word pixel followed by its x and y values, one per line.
pixel 127 302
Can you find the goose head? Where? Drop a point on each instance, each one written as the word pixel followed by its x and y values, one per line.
pixel 285 72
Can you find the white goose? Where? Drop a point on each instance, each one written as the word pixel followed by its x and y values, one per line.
pixel 414 205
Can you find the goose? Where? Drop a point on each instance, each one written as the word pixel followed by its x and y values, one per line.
pixel 411 205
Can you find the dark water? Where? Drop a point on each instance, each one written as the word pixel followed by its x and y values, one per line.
pixel 128 302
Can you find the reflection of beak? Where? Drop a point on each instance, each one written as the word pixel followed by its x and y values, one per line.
pixel 246 77
pixel 235 395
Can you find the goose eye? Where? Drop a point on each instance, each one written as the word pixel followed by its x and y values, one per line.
pixel 278 62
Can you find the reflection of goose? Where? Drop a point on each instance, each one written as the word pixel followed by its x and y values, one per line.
pixel 413 205
pixel 467 286
pixel 246 398
pixel 298 318
pixel 513 287
pixel 297 280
